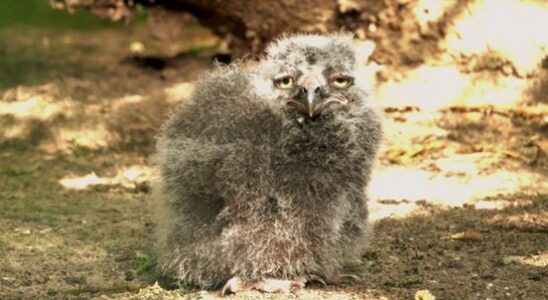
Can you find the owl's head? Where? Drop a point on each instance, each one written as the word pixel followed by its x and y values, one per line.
pixel 313 74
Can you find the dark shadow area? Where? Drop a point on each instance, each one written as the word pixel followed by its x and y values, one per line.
pixel 482 129
pixel 538 93
pixel 179 61
pixel 419 252
pixel 36 131
pixel 79 231
pixel 41 61
pixel 130 125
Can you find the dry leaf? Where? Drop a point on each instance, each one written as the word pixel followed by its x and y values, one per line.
pixel 468 235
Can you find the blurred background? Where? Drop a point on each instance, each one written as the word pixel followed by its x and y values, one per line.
pixel 460 191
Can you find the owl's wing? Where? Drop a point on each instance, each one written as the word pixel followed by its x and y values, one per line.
pixel 202 180
pixel 216 149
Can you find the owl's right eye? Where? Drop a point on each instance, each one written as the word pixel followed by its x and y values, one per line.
pixel 285 82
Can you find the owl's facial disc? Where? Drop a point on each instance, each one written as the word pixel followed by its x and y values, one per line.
pixel 311 95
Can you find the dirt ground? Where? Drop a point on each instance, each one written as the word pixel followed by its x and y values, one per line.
pixel 460 206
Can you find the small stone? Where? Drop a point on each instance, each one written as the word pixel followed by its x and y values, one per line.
pixel 250 34
pixel 507 70
pixel 137 47
pixel 424 295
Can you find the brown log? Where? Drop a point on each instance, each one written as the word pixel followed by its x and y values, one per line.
pixel 250 24
pixel 247 25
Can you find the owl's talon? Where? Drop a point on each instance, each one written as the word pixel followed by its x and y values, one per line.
pixel 318 279
pixel 297 285
pixel 233 285
pixel 278 285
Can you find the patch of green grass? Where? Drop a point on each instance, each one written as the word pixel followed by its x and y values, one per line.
pixel 38 60
pixel 143 265
pixel 16 171
pixel 37 63
pixel 39 14
pixel 33 210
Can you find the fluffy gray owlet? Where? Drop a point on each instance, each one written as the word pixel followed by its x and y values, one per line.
pixel 264 169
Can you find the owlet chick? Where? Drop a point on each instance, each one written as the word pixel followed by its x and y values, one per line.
pixel 264 169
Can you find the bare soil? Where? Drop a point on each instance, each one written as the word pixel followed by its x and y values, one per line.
pixel 461 196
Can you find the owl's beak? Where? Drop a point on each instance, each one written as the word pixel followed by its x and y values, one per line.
pixel 309 100
pixel 312 87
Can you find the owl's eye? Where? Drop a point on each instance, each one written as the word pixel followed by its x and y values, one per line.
pixel 285 82
pixel 341 82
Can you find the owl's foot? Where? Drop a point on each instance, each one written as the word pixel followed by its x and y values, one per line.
pixel 318 279
pixel 280 286
pixel 235 284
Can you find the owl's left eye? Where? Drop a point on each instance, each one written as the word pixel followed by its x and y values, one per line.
pixel 341 81
pixel 285 82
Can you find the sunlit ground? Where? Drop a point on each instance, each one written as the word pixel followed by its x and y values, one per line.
pixel 465 132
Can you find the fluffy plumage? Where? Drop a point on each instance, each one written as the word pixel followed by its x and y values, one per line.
pixel 257 186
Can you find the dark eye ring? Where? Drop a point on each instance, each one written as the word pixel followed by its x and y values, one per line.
pixel 285 82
